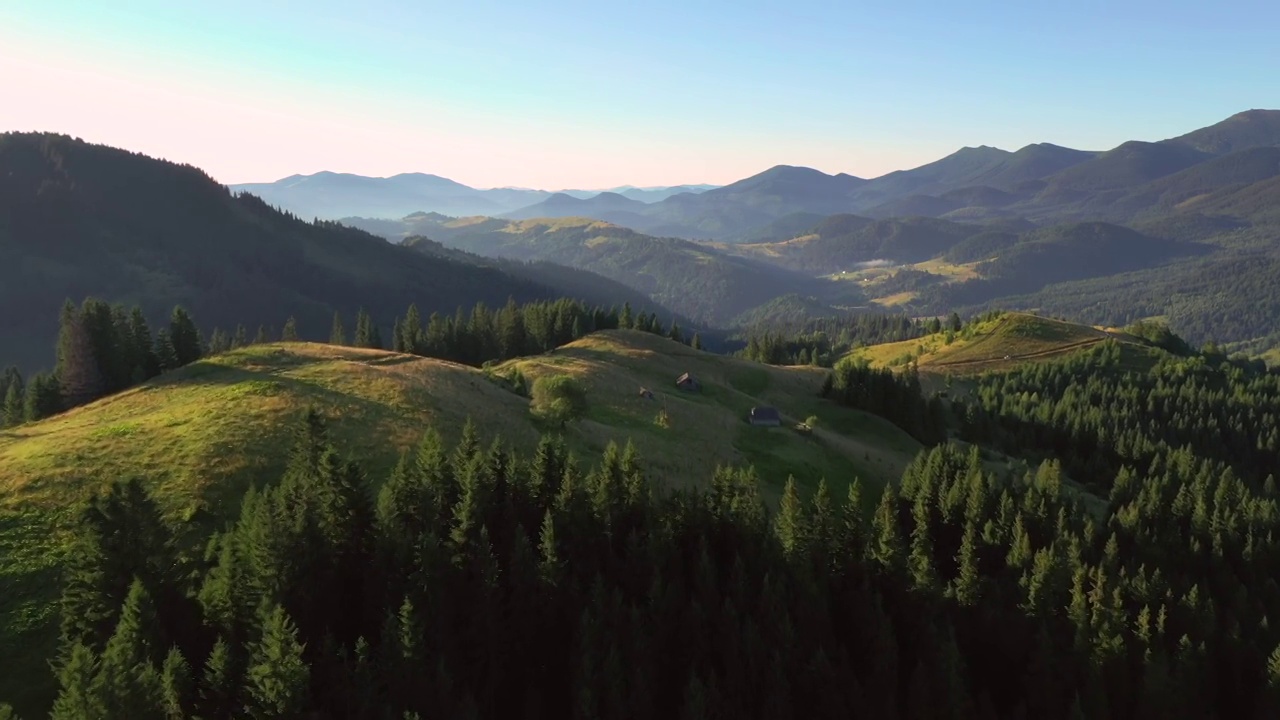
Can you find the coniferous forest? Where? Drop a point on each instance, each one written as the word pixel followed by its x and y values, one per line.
pixel 479 583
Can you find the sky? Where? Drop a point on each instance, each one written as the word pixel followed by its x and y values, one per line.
pixel 600 94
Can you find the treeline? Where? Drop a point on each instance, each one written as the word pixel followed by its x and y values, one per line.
pixel 823 341
pixel 480 584
pixel 897 397
pixel 102 349
pixel 483 335
pixel 1096 413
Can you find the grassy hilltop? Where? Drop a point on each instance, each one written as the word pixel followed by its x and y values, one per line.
pixel 1000 344
pixel 200 436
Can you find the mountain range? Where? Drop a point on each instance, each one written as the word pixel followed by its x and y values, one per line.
pixel 1041 182
pixel 1144 229
pixel 1184 229
pixel 330 195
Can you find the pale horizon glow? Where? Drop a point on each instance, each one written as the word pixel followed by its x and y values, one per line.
pixel 558 99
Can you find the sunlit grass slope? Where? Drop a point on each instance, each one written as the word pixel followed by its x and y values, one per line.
pixel 200 436
pixel 999 344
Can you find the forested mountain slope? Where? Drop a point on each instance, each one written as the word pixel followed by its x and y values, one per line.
pixel 694 280
pixel 79 219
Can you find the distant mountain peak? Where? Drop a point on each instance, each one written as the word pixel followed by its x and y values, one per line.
pixel 981 150
pixel 1251 128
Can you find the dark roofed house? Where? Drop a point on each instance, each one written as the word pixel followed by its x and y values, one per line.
pixel 765 416
pixel 688 383
pixel 646 393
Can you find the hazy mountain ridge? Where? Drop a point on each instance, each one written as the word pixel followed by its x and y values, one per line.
pixel 1041 181
pixel 695 280
pixel 330 195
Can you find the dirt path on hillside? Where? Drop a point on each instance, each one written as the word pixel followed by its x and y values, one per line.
pixel 1023 356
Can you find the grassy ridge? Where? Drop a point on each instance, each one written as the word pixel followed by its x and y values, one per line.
pixel 199 436
pixel 998 344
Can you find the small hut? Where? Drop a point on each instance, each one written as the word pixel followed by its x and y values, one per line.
pixel 688 383
pixel 765 416
pixel 646 393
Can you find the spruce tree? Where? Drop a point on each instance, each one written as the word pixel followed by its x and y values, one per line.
pixel 78 371
pixel 397 336
pixel 411 330
pixel 263 336
pixel 146 365
pixel 241 338
pixel 920 560
pixel 337 335
pixel 127 680
pixel 512 331
pixel 278 679
pixel 12 412
pixel 968 578
pixel 696 343
pixel 790 526
pixel 165 353
pixel 184 335
pixel 363 334
pixel 290 331
pixel 220 693
pixel 887 547
pixel 176 686
pixel 44 398
pixel 219 342
pixel 78 695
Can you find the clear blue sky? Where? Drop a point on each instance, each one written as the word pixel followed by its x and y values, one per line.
pixel 596 94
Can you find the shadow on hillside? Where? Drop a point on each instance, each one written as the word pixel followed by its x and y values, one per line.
pixel 268 382
pixel 389 360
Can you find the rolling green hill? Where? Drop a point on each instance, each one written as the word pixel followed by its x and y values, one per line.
pixel 1001 343
pixel 200 436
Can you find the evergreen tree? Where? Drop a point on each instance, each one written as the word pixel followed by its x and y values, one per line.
pixel 127 680
pixel 176 686
pixel 411 331
pixel 367 335
pixel 146 365
pixel 278 677
pixel 887 547
pixel 78 371
pixel 184 335
pixel 968 578
pixel 920 560
pixel 44 398
pixel 290 331
pixel 220 684
pixel 511 328
pixel 241 338
pixel 78 695
pixel 262 337
pixel 219 342
pixel 13 411
pixel 337 335
pixel 790 524
pixel 165 353
pixel 696 343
